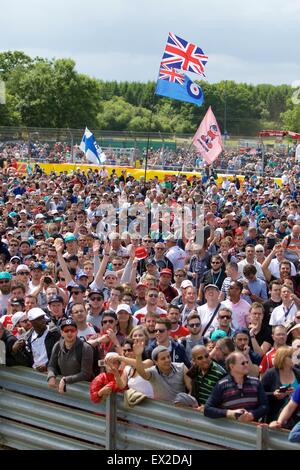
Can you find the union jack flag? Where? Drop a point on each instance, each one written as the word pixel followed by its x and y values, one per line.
pixel 183 55
pixel 172 75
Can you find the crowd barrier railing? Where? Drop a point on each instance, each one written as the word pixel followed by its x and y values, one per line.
pixel 33 416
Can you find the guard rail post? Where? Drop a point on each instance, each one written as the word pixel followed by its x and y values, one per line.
pixel 111 422
pixel 262 434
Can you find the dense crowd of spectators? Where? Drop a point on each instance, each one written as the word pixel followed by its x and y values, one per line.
pixel 180 290
pixel 234 160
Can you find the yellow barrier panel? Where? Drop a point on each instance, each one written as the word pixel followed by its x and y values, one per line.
pixel 136 173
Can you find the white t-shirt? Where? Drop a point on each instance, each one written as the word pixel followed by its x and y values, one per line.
pixel 138 383
pixel 87 332
pixel 274 268
pixel 38 348
pixel 205 313
pixel 279 317
pixel 177 257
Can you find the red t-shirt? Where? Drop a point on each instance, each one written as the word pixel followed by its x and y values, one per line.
pixel 180 332
pixel 105 378
pixel 267 361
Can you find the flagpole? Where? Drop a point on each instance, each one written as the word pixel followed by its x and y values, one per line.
pixel 148 138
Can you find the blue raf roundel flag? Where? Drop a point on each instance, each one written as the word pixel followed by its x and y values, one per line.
pixel 194 90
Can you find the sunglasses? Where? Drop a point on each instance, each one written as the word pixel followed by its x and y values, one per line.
pixel 152 295
pixel 108 321
pixel 14 245
pixel 244 363
pixel 117 264
pixel 226 317
pixel 205 356
pixel 159 330
pixel 96 298
pixel 70 330
pixel 179 275
pixel 24 273
pixel 158 248
pixel 126 350
pixel 62 279
pixel 15 261
pixel 5 281
pixel 75 292
pixel 215 262
pixel 194 325
pixel 148 241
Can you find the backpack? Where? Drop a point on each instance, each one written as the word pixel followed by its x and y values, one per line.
pixel 78 353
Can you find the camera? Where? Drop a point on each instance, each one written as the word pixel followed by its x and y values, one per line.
pixel 47 280
pixel 238 414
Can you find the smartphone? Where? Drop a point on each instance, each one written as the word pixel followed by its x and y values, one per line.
pixel 238 414
pixel 284 388
pixel 271 242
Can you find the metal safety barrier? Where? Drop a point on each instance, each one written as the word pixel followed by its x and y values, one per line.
pixel 34 416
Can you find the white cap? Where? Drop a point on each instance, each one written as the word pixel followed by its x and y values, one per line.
pixel 22 267
pixel 35 313
pixel 124 307
pixel 186 283
pixel 17 317
pixel 228 203
pixel 39 216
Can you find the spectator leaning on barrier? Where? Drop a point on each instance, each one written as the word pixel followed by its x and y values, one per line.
pixel 237 396
pixel 71 358
pixel 204 374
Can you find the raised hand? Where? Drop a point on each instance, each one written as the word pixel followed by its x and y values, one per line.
pixel 138 348
pixel 96 247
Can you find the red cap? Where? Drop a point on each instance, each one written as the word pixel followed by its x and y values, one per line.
pixel 166 271
pixel 141 252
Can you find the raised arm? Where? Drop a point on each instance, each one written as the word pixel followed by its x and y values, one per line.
pixel 99 276
pixel 138 349
pixel 59 246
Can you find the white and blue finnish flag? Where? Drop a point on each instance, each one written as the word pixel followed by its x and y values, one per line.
pixel 91 149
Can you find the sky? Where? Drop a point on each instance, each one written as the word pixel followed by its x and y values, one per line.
pixel 255 41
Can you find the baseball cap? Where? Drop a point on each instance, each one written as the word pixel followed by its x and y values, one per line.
pixel 36 265
pixel 150 261
pixel 211 285
pixel 35 313
pixel 81 274
pixel 56 298
pixel 156 351
pixel 185 399
pixel 70 237
pixel 290 217
pixel 110 273
pixel 95 291
pixel 22 267
pixel 15 257
pixel 141 252
pixel 166 271
pixel 18 316
pixel 124 307
pixel 12 214
pixel 217 334
pixel 5 275
pixel 16 301
pixel 68 322
pixel 186 283
pixel 245 331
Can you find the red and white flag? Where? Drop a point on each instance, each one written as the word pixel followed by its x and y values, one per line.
pixel 208 140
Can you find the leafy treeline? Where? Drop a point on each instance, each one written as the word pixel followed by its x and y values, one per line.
pixel 51 93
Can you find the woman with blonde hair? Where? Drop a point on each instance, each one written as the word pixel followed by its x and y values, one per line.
pixel 280 381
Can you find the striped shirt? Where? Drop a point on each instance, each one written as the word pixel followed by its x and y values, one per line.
pixel 202 384
pixel 228 395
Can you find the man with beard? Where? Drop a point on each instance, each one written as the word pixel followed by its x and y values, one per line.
pixel 5 288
